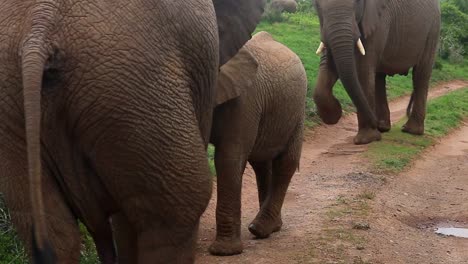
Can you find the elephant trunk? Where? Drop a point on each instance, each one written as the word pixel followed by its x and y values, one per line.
pixel 35 52
pixel 341 40
pixel 328 107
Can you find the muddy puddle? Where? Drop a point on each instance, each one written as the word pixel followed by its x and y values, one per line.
pixel 452 231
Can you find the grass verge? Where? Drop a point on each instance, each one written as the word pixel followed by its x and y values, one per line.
pixel 343 229
pixel 398 149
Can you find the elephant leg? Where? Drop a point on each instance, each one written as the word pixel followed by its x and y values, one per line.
pixel 268 219
pixel 263 175
pixel 228 208
pixel 381 104
pixel 153 240
pixel 328 107
pixel 125 239
pixel 104 241
pixel 62 227
pixel 366 131
pixel 421 78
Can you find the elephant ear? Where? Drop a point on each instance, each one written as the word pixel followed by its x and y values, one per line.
pixel 236 75
pixel 370 19
pixel 237 20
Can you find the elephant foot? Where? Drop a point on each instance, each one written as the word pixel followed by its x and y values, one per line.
pixel 263 228
pixel 226 247
pixel 366 136
pixel 413 128
pixel 384 126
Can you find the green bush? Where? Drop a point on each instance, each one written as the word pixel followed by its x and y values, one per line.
pixel 454 32
pixel 305 6
pixel 272 15
pixel 461 4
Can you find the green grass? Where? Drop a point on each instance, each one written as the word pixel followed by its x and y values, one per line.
pixel 211 159
pixel 11 250
pixel 345 222
pixel 398 149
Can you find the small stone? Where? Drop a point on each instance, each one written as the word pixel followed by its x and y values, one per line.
pixel 361 226
pixel 360 247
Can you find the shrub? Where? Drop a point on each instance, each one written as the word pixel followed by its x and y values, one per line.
pixel 305 6
pixel 272 15
pixel 454 33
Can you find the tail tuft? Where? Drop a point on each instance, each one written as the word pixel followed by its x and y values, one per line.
pixel 410 105
pixel 43 255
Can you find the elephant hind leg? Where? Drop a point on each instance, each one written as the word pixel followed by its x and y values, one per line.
pixel 415 123
pixel 263 175
pixel 421 78
pixel 381 104
pixel 103 239
pixel 62 227
pixel 125 239
pixel 229 171
pixel 268 219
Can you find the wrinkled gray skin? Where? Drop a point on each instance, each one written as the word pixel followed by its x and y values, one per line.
pixel 117 113
pixel 397 35
pixel 259 118
pixel 289 6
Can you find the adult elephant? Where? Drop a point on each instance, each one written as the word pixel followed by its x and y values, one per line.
pixel 259 118
pixel 289 6
pixel 117 114
pixel 363 41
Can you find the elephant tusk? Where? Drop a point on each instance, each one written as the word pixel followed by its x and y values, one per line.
pixel 361 47
pixel 320 48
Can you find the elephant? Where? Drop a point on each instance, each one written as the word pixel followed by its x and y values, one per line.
pixel 289 6
pixel 106 111
pixel 363 42
pixel 259 118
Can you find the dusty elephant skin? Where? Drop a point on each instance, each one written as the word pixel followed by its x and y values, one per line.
pixel 116 120
pixel 363 42
pixel 259 118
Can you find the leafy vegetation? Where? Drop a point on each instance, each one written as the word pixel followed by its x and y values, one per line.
pixel 398 149
pixel 454 32
pixel 11 250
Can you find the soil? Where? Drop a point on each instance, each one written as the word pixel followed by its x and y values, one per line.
pixel 338 211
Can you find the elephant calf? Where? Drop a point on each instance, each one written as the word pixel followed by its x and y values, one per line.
pixel 259 118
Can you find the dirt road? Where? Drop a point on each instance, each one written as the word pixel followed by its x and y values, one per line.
pixel 318 213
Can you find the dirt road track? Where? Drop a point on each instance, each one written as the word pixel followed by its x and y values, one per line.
pixel 330 166
pixel 434 192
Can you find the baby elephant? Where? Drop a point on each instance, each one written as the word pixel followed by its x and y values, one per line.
pixel 259 118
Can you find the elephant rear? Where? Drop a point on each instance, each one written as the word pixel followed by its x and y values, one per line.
pixel 283 86
pixel 259 118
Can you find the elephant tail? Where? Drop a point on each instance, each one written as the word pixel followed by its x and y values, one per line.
pixel 35 53
pixel 410 105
